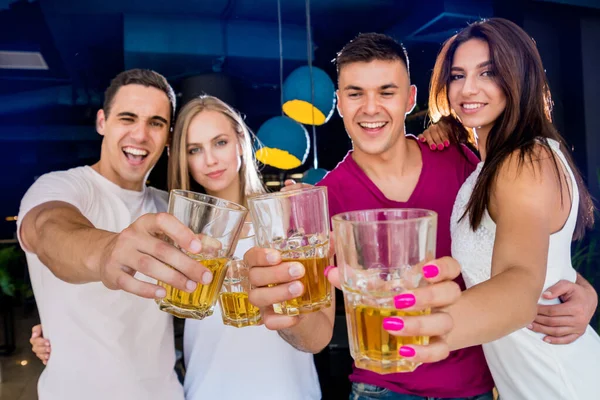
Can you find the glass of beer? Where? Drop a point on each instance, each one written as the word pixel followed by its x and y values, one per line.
pixel 380 254
pixel 236 310
pixel 296 223
pixel 218 224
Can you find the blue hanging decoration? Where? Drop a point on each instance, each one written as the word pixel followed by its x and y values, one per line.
pixel 300 104
pixel 282 143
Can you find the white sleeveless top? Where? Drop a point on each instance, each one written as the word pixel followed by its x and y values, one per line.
pixel 251 363
pixel 522 364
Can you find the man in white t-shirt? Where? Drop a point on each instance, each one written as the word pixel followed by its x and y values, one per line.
pixel 90 235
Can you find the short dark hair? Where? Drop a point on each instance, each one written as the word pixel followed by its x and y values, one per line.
pixel 144 77
pixel 367 47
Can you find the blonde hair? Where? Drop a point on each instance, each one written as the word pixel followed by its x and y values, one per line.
pixel 179 175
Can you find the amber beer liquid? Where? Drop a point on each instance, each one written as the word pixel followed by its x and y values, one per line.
pixel 200 303
pixel 238 311
pixel 317 290
pixel 372 347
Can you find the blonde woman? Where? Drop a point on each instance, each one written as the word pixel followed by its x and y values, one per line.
pixel 211 152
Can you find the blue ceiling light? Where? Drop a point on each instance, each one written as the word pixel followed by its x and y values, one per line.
pixel 314 175
pixel 283 143
pixel 298 101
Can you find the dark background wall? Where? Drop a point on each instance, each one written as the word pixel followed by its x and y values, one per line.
pixel 47 117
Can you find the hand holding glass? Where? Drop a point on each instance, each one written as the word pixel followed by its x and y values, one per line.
pixel 296 223
pixel 379 255
pixel 218 224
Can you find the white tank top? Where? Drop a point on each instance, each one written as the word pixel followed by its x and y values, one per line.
pixel 523 366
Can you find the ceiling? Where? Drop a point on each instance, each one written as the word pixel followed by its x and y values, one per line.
pixel 86 43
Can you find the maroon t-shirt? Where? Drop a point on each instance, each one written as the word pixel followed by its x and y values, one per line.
pixel 464 373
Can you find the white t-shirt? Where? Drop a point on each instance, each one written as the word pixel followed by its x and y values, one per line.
pixel 250 363
pixel 106 344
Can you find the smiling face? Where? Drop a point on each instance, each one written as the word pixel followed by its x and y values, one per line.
pixel 134 134
pixel 373 99
pixel 213 151
pixel 473 92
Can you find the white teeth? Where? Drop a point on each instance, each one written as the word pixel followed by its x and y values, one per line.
pixel 135 152
pixel 473 106
pixel 372 125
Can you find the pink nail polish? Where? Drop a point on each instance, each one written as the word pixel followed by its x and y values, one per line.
pixel 433 147
pixel 404 300
pixel 406 351
pixel 440 146
pixel 422 138
pixel 393 324
pixel 430 271
pixel 329 268
pixel 446 143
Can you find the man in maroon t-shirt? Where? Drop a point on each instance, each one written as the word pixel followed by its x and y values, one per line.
pixel 386 169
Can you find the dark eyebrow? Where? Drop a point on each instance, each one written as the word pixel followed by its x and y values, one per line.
pixel 133 115
pixel 480 65
pixel 382 87
pixel 127 114
pixel 161 119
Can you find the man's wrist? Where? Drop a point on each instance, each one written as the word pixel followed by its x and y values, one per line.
pixel 98 254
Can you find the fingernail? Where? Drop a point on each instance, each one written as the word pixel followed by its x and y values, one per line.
pixel 295 289
pixel 530 326
pixel 393 324
pixel 160 293
pixel 35 334
pixel 406 351
pixel 430 271
pixel 433 147
pixel 47 356
pixel 206 278
pixel 446 143
pixel 547 293
pixel 190 286
pixel 404 300
pixel 548 340
pixel 422 138
pixel 272 257
pixel 326 272
pixel 440 146
pixel 195 246
pixel 296 270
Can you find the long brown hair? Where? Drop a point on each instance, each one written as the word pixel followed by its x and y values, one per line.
pixel 517 68
pixel 179 176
